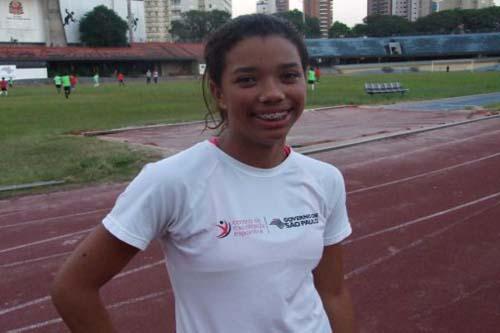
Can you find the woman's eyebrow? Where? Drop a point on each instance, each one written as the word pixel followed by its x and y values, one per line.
pixel 248 69
pixel 251 69
pixel 290 65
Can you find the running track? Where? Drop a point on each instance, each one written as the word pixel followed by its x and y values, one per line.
pixel 424 255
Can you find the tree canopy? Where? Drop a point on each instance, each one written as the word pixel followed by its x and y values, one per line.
pixel 306 25
pixel 195 25
pixel 339 30
pixel 103 27
pixel 444 22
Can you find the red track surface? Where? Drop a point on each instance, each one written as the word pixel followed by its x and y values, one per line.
pixel 423 257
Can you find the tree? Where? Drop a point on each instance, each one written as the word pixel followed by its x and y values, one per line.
pixel 339 30
pixel 444 22
pixel 103 27
pixel 312 28
pixel 296 17
pixel 195 25
pixel 306 25
pixel 386 25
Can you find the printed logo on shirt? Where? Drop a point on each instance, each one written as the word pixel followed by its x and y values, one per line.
pixel 241 228
pixel 295 221
pixel 255 226
pixel 225 229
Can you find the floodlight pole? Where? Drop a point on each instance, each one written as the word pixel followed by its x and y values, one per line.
pixel 130 20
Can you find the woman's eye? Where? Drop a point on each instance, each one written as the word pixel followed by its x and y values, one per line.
pixel 245 80
pixel 291 76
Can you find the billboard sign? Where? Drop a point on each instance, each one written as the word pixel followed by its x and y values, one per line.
pixel 8 71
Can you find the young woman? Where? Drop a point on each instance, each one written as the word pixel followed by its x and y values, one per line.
pixel 251 229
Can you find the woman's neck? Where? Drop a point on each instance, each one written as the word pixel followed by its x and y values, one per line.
pixel 254 154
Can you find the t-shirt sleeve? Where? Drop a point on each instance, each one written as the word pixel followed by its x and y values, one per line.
pixel 337 226
pixel 140 212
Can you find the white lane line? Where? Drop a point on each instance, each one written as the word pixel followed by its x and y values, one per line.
pixel 425 174
pixel 461 296
pixel 393 251
pixel 112 306
pixel 47 298
pixel 422 219
pixel 55 218
pixel 24 305
pixel 419 150
pixel 30 261
pixel 46 240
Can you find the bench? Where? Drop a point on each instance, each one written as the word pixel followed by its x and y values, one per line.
pixel 384 88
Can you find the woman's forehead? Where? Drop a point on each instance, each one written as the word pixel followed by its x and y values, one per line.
pixel 260 50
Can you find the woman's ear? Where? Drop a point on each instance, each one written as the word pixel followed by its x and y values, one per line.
pixel 218 95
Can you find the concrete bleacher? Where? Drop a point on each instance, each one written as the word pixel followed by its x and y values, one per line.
pixel 411 46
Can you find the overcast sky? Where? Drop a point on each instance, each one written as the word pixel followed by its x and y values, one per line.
pixel 349 12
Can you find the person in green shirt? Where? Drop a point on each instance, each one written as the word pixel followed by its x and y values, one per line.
pixel 66 82
pixel 96 79
pixel 58 83
pixel 311 77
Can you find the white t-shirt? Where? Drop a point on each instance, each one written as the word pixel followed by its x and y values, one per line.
pixel 240 242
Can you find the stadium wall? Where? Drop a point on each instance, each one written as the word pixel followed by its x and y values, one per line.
pixel 24 21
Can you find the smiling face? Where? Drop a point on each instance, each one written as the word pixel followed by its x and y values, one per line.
pixel 262 91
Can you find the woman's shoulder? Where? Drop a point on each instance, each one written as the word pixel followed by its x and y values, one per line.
pixel 193 160
pixel 316 168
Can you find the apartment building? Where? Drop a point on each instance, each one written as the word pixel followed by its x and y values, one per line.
pixel 321 9
pixel 157 17
pixel 282 5
pixel 465 4
pixel 160 13
pixel 382 7
pixel 272 6
pixel 409 9
pixel 266 7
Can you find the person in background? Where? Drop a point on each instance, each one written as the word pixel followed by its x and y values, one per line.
pixel 121 79
pixel 252 229
pixel 73 80
pixel 155 76
pixel 148 77
pixel 66 83
pixel 11 82
pixel 58 83
pixel 317 73
pixel 311 78
pixel 4 87
pixel 96 79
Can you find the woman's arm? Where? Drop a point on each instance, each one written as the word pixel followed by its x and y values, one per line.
pixel 329 281
pixel 75 291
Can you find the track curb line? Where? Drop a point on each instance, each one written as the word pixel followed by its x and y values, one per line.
pixel 187 123
pixel 354 142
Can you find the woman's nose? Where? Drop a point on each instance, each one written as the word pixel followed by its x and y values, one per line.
pixel 271 92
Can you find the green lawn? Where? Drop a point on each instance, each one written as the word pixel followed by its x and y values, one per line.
pixel 36 123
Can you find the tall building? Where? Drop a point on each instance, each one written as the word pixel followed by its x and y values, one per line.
pixel 157 16
pixel 161 13
pixel 321 9
pixel 409 9
pixel 282 5
pixel 382 7
pixel 207 5
pixel 272 6
pixel 465 4
pixel 266 7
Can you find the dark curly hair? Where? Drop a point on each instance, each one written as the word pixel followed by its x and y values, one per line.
pixel 226 37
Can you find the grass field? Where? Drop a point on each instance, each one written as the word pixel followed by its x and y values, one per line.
pixel 37 125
